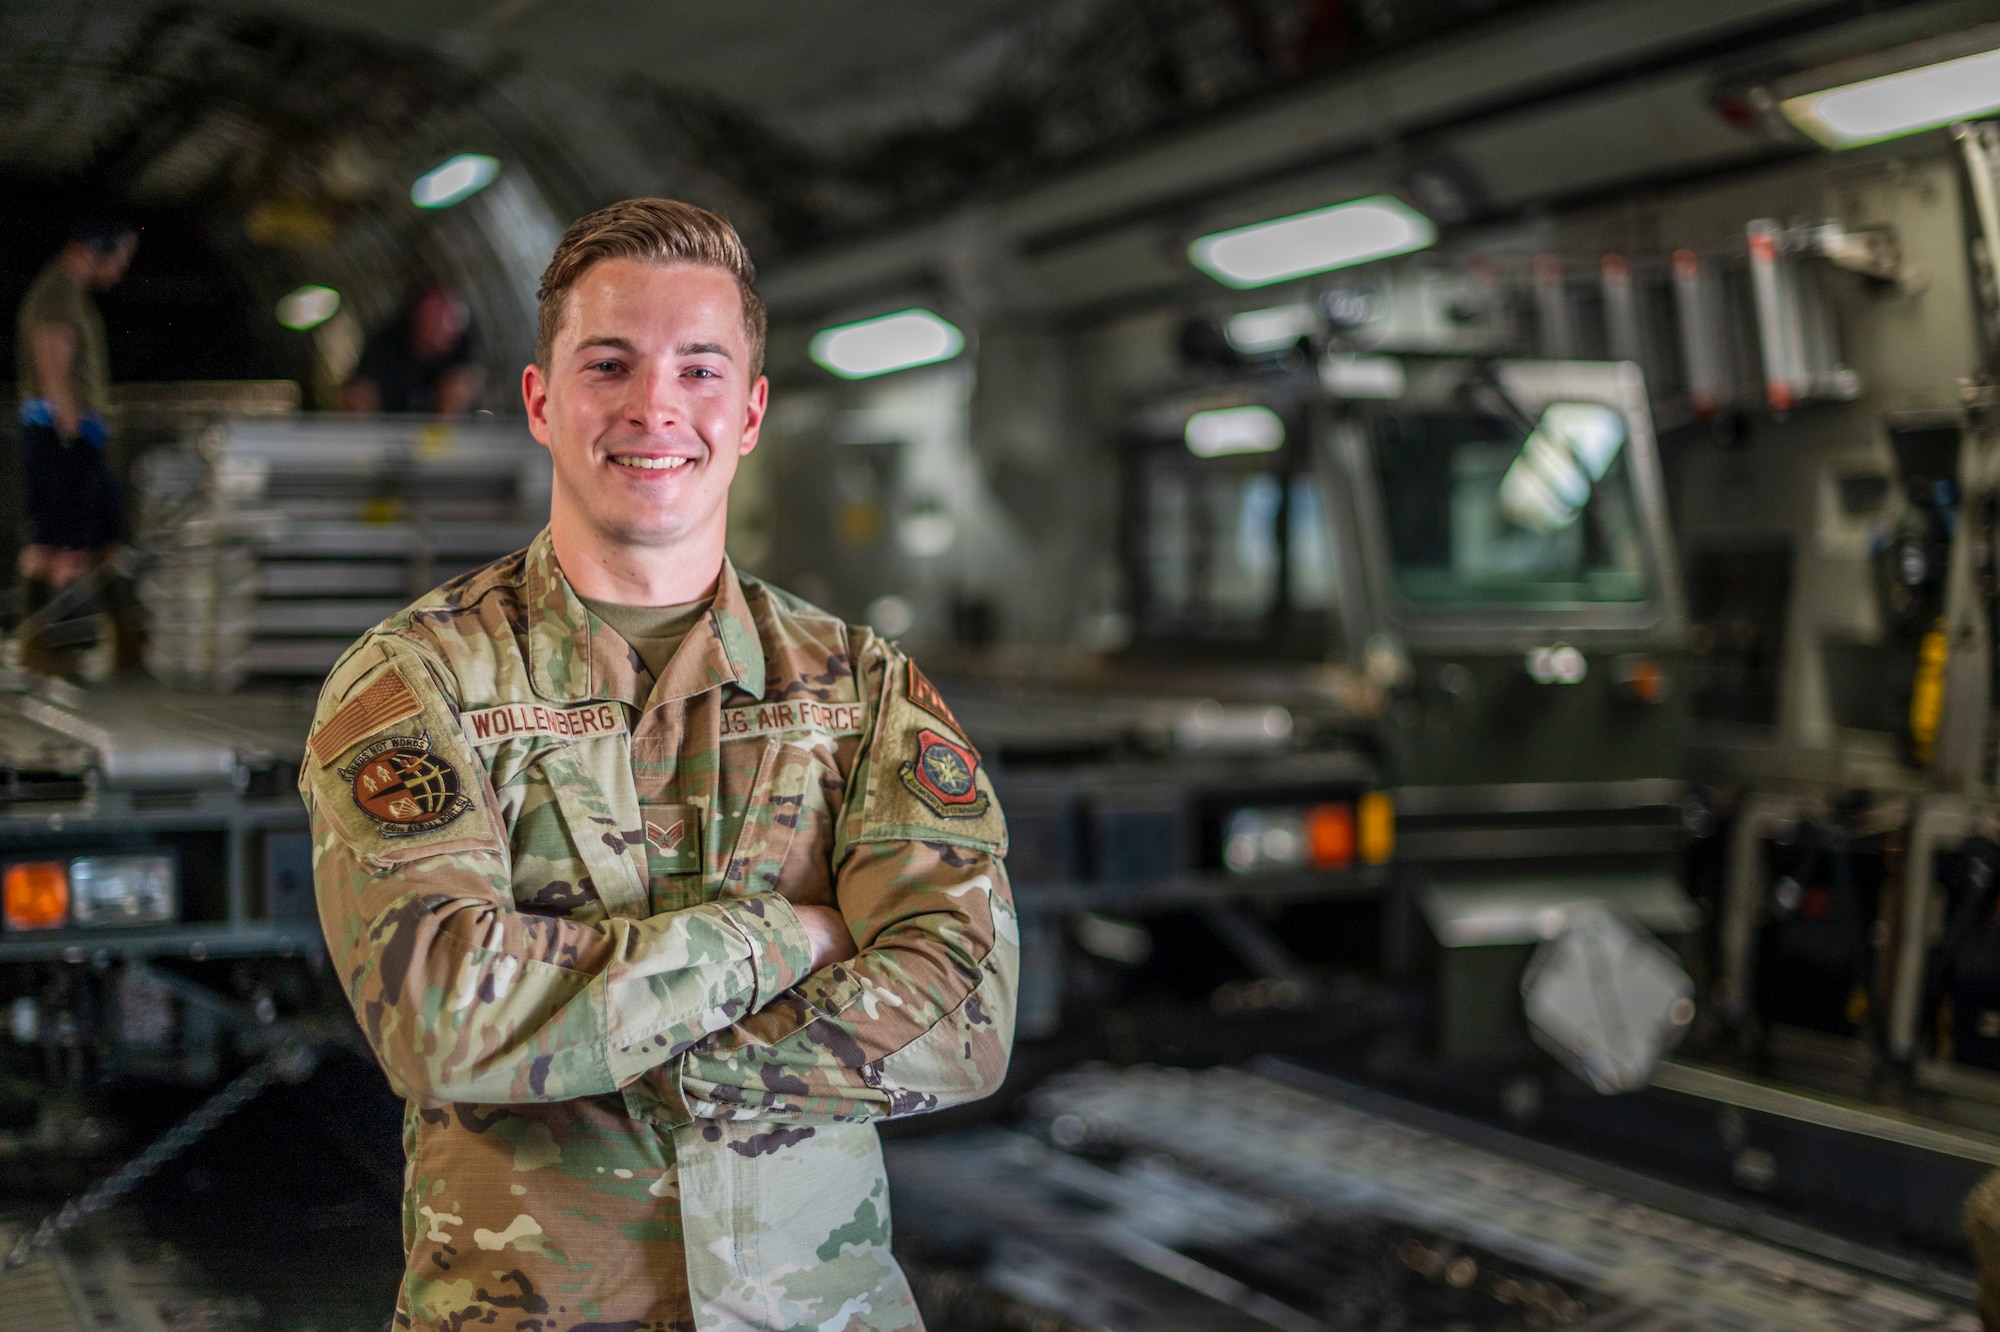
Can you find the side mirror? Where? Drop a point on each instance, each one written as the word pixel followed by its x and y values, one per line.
pixel 1569 451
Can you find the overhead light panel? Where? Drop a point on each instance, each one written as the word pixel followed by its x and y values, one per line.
pixel 1316 242
pixel 890 342
pixel 1904 91
pixel 454 180
pixel 1348 376
pixel 1226 430
pixel 1257 332
pixel 308 307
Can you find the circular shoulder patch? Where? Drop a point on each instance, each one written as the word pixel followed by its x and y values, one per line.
pixel 946 770
pixel 941 775
pixel 404 787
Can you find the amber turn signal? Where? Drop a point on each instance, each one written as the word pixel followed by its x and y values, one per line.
pixel 35 895
pixel 1375 820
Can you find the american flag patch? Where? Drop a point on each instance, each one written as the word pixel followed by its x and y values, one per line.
pixel 380 705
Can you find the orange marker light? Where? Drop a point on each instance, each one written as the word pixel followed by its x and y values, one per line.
pixel 36 896
pixel 1330 836
pixel 1643 679
pixel 1375 819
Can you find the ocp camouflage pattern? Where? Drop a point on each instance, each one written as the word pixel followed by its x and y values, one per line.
pixel 629 1105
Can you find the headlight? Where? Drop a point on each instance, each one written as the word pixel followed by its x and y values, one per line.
pixel 122 890
pixel 1263 839
pixel 1272 838
pixel 89 891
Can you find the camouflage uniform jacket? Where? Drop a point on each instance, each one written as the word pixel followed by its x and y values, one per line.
pixel 558 893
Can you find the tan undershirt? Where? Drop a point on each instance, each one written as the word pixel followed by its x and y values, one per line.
pixel 653 631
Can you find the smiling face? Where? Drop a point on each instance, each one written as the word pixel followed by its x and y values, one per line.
pixel 646 403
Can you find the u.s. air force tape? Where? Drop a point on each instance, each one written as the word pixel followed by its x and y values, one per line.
pixel 796 714
pixel 515 721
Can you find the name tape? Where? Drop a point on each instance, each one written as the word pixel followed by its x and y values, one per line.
pixel 799 714
pixel 489 726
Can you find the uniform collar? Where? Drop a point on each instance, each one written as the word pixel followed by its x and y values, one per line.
pixel 576 657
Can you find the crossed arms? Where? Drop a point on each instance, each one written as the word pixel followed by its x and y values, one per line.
pixel 466 999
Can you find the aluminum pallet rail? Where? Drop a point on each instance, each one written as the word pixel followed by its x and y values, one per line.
pixel 1233 1199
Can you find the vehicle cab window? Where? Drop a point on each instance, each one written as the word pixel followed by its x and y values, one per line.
pixel 1479 511
pixel 1228 537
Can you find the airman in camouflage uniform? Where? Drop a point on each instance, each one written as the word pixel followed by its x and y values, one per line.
pixel 565 897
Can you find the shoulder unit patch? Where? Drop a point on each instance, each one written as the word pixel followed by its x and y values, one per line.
pixel 405 787
pixel 942 776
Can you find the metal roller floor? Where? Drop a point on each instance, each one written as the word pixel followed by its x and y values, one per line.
pixel 283 1219
pixel 1233 1199
pixel 113 1278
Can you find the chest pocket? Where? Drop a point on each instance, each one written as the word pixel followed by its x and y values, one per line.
pixel 783 829
pixel 582 806
pixel 579 837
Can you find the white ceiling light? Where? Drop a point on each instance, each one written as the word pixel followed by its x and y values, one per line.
pixel 1904 91
pixel 454 179
pixel 308 307
pixel 1225 430
pixel 891 342
pixel 1326 238
pixel 1345 376
pixel 1257 331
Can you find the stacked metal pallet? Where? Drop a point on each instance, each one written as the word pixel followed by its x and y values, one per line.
pixel 273 541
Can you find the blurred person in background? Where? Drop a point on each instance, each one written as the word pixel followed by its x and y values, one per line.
pixel 425 359
pixel 1982 1228
pixel 75 515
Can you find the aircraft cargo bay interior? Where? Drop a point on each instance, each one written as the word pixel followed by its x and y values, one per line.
pixel 1068 666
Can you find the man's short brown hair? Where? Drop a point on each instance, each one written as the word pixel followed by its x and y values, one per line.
pixel 650 231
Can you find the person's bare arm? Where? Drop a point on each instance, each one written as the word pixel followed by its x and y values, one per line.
pixel 832 940
pixel 55 352
pixel 457 387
